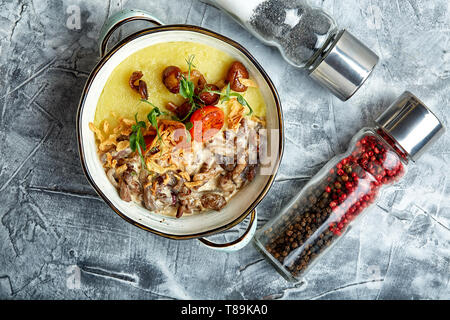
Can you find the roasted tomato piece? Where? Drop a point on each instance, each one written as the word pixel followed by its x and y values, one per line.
pixel 206 121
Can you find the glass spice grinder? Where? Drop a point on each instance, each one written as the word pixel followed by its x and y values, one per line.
pixel 307 38
pixel 347 185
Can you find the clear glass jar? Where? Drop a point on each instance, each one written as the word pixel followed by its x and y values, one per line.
pixel 307 38
pixel 301 33
pixel 322 211
pixel 346 186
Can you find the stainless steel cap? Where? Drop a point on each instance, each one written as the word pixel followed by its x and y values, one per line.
pixel 346 65
pixel 411 124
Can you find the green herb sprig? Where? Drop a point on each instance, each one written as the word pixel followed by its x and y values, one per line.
pixel 152 116
pixel 188 125
pixel 137 141
pixel 187 87
pixel 226 96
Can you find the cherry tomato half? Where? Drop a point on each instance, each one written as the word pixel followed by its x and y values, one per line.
pixel 148 141
pixel 206 122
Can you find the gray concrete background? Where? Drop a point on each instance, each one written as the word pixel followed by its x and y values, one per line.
pixel 60 240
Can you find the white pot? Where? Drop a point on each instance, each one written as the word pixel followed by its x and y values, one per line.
pixel 186 227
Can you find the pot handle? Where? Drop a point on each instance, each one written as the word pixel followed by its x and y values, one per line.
pixel 120 18
pixel 240 242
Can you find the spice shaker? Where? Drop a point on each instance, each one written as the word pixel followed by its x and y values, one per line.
pixel 347 185
pixel 307 38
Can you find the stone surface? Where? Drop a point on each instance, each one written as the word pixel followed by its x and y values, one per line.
pixel 59 240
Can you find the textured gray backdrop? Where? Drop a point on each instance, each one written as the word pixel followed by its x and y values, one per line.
pixel 60 240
